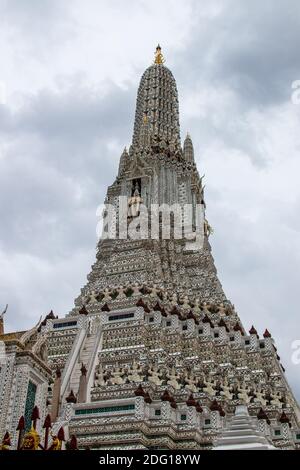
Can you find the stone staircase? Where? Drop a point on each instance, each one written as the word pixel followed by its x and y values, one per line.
pixel 83 358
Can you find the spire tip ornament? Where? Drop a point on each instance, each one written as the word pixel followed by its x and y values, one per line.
pixel 159 58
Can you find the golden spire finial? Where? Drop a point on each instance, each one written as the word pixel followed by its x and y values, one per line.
pixel 159 58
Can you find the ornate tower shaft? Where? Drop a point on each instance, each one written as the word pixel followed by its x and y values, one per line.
pixel 157 105
pixel 157 172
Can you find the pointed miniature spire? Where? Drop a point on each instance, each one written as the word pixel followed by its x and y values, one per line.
pixel 263 415
pixel 139 392
pixel 214 406
pixel 191 401
pixel 123 161
pixel 73 443
pixel 175 311
pixel 267 334
pixel 166 396
pixel 188 149
pixel 21 424
pixel 141 303
pixel 157 307
pixel 160 309
pixel 284 418
pixel 6 442
pixel 190 316
pixel 159 58
pixel 47 422
pixel 71 397
pixel 105 308
pixel 206 319
pixel 252 331
pixel 83 310
pixel 50 315
pixel 61 434
pixel 237 327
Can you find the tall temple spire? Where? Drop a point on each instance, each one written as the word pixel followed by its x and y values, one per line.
pixel 188 149
pixel 158 171
pixel 157 101
pixel 123 161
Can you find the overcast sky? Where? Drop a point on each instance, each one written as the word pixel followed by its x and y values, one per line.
pixel 68 80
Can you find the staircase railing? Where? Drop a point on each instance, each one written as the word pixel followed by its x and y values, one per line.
pixel 72 359
pixel 92 362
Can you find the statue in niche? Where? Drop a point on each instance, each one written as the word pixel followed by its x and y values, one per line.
pixel 93 298
pixel 134 202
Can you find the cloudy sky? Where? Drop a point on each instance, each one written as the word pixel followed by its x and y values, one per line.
pixel 68 80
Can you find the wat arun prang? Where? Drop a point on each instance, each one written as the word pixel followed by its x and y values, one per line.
pixel 153 355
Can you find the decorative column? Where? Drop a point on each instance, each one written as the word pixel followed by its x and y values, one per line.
pixel 192 415
pixel 139 407
pixel 222 329
pixel 254 339
pixel 167 402
pixel 237 333
pixel 263 422
pixel 190 325
pixel 268 341
pixel 174 316
pixel 206 326
pixel 166 410
pixel 285 426
pixel 215 418
pixel 82 390
pixel 56 396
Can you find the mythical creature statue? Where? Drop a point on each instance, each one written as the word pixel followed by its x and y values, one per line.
pixel 31 440
pixel 4 312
